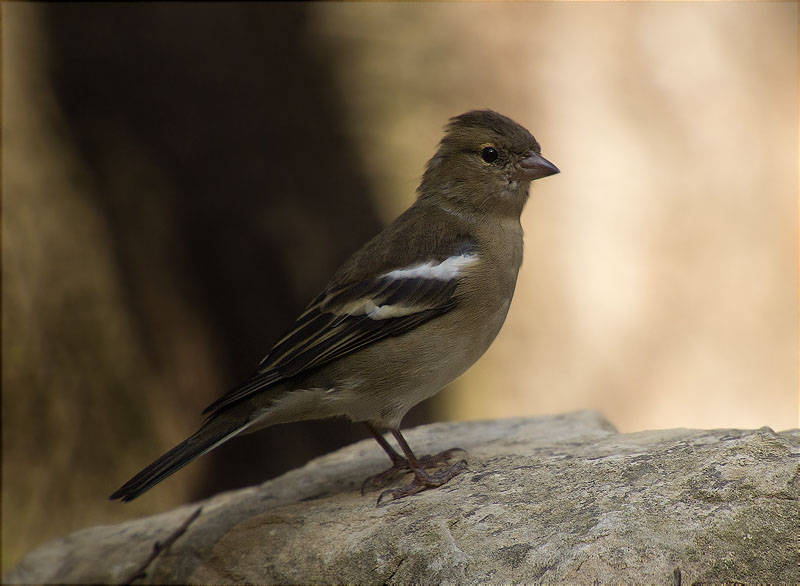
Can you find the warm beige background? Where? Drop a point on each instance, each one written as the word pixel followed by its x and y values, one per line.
pixel 660 280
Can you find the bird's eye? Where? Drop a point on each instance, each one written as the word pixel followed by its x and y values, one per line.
pixel 489 154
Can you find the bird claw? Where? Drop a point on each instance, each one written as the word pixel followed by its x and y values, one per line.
pixel 383 477
pixel 402 465
pixel 423 481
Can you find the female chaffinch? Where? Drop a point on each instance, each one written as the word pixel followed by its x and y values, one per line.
pixel 409 312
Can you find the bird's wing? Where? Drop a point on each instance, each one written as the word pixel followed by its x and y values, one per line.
pixel 347 317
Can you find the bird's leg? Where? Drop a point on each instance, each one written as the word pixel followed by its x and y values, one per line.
pixel 399 463
pixel 422 479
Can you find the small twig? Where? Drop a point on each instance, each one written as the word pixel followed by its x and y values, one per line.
pixel 676 577
pixel 159 547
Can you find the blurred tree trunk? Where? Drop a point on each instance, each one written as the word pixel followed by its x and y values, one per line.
pixel 189 188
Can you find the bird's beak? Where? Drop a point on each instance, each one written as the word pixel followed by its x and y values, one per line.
pixel 534 167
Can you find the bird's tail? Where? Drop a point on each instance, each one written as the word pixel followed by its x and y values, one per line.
pixel 214 432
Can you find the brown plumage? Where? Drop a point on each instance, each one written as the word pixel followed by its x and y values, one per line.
pixel 409 312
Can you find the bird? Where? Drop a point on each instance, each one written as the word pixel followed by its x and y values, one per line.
pixel 404 316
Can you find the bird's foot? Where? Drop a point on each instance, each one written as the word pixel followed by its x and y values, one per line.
pixel 434 460
pixel 423 481
pixel 401 465
pixel 385 476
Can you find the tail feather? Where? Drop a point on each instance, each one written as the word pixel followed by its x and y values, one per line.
pixel 208 437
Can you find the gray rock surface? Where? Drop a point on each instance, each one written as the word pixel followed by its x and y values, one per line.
pixel 561 499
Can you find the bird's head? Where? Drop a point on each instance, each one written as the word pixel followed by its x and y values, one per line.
pixel 484 164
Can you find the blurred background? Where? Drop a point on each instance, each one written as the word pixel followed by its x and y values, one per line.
pixel 179 180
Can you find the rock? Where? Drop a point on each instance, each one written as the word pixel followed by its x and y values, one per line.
pixel 561 499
